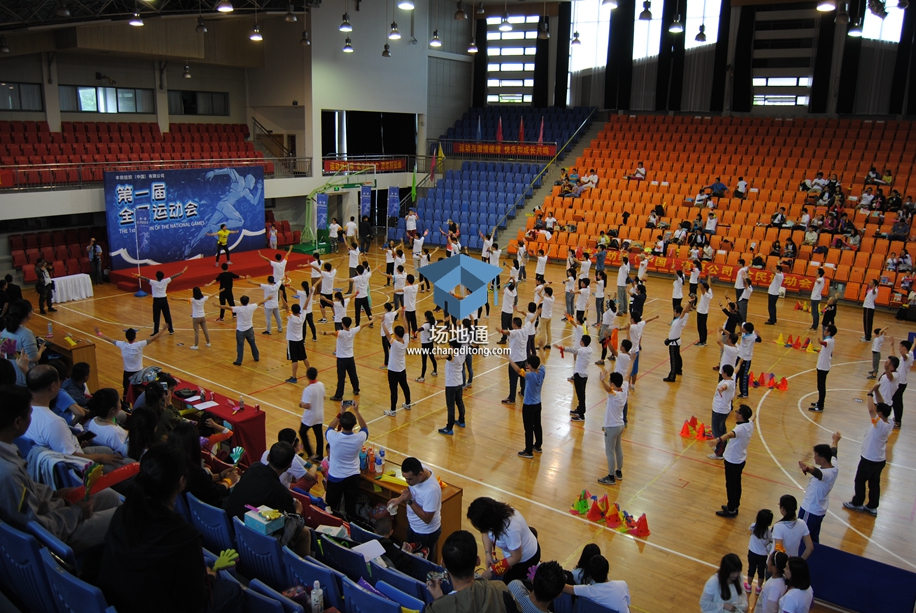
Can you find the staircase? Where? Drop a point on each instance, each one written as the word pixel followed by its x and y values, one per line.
pixel 553 171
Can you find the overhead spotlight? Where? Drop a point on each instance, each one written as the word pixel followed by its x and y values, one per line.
pixel 842 17
pixel 62 10
pixel 480 10
pixel 406 5
pixel 701 35
pixel 386 52
pixel 575 41
pixel 646 14
pixel 345 26
pixel 394 34
pixel 460 15
pixel 504 25
pixel 224 6
pixel 3 47
pixel 825 6
pixel 543 34
pixel 610 3
pixel 676 26
pixel 348 47
pixel 472 48
pixel 434 41
pixel 201 26
pixel 856 30
pixel 136 20
pixel 187 71
pixel 305 41
pixel 256 34
pixel 290 16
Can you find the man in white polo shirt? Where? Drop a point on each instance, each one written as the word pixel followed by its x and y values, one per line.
pixel 583 355
pixel 160 300
pixel 817 492
pixel 741 282
pixel 773 294
pixel 623 276
pixel 131 352
pixel 244 329
pixel 343 465
pixel 346 363
pixel 423 497
pixel 271 291
pixel 735 458
pixel 874 454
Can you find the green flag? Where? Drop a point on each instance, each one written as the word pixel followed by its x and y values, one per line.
pixel 413 187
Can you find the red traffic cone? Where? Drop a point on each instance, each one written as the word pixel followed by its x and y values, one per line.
pixel 613 516
pixel 771 382
pixel 594 513
pixel 693 422
pixel 762 380
pixel 783 385
pixel 806 343
pixel 789 341
pixel 642 527
pixel 798 305
pixel 750 377
pixel 701 432
pixel 685 429
pixel 797 344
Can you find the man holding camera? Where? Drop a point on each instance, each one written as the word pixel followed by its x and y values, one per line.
pixel 343 467
pixel 459 556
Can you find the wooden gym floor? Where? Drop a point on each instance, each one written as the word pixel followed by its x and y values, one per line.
pixel 667 477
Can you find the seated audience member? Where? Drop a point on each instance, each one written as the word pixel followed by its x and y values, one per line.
pixel 580 572
pixel 63 404
pixel 212 489
pixel 300 468
pixel 866 198
pixel 813 186
pixel 698 239
pixel 680 236
pixel 778 218
pixel 758 261
pixel 614 595
pixel 810 236
pixel 909 205
pixel 887 178
pixel 711 222
pixel 872 177
pixel 75 386
pixel 566 188
pixel 550 222
pixel 804 219
pixel 846 226
pixel 260 485
pixel 776 249
pixel 469 594
pixel 152 560
pixel 900 231
pixel 880 201
pixel 891 264
pixel 708 253
pixel 827 199
pixel 637 175
pixel 603 239
pixel 697 223
pixel 575 192
pixel 50 430
pixel 694 253
pixel 850 243
pixel 104 408
pixel 652 222
pixel 717 188
pixel 539 222
pixel 82 524
pixel 831 224
pixel 564 177
pixel 833 183
pixel 702 198
pixel 574 176
pixel 894 202
pixel 659 248
pixel 741 189
pixel 905 263
pixel 549 581
pixel 591 181
pixel 143 424
pixel 789 250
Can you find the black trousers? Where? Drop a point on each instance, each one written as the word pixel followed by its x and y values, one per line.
pixel 514 380
pixel 161 307
pixel 310 321
pixel 318 429
pixel 579 384
pixel 676 302
pixel 396 379
pixel 411 318
pixel 520 570
pixel 815 313
pixel 742 308
pixel 531 418
pixel 742 377
pixel 674 356
pixel 821 387
pixel 45 297
pixel 428 353
pixel 898 403
pixel 226 298
pixel 506 324
pixel 868 322
pixel 454 396
pixel 348 489
pixel 868 473
pixel 771 306
pixel 733 484
pixel 362 304
pixel 346 366
pixel 389 269
pixel 701 326
pixel 386 346
pixel 220 249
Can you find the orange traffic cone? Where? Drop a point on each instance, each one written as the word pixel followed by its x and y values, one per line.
pixel 642 527
pixel 806 343
pixel 604 504
pixel 771 382
pixel 783 385
pixel 613 516
pixel 693 422
pixel 594 513
pixel 762 380
pixel 798 305
pixel 750 377
pixel 701 432
pixel 797 344
pixel 685 429
pixel 789 342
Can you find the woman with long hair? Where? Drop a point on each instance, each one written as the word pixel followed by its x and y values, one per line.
pixel 768 597
pixel 17 338
pixel 143 424
pixel 580 572
pixel 799 595
pixel 789 532
pixel 198 317
pixel 104 407
pixel 723 592
pixel 502 526
pixel 152 557
pixel 207 487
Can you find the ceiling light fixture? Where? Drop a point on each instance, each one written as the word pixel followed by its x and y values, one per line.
pixel 136 20
pixel 543 34
pixel 394 34
pixel 187 71
pixel 305 41
pixel 856 30
pixel 480 9
pixel 386 52
pixel 472 48
pixel 290 16
pixel 701 35
pixel 348 47
pixel 256 34
pixel 62 10
pixel 575 41
pixel 504 25
pixel 610 3
pixel 676 26
pixel 201 26
pixel 460 15
pixel 842 17
pixel 434 41
pixel 345 26
pixel 825 6
pixel 224 6
pixel 406 5
pixel 646 14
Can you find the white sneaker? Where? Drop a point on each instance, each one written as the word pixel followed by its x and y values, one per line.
pixel 208 344
pixel 406 406
pixel 420 379
pixel 194 347
pixel 713 456
pixel 390 413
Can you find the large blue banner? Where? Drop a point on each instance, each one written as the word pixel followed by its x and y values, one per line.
pixel 321 211
pixel 394 201
pixel 365 200
pixel 181 207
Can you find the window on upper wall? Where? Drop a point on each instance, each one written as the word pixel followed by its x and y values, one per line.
pixel 647 35
pixel 198 103
pixel 89 99
pixel 705 13
pixel 510 59
pixel 593 28
pixel 20 97
pixel 887 29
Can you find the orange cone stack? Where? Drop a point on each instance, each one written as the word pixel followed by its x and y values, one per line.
pixel 762 381
pixel 771 382
pixel 797 344
pixel 642 527
pixel 783 385
pixel 806 343
pixel 685 429
pixel 798 306
pixel 701 432
pixel 594 513
pixel 613 516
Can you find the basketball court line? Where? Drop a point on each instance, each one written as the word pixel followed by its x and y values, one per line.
pixel 797 484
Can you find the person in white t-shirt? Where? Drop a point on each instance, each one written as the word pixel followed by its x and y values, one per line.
pixel 773 294
pixel 722 591
pixel 518 353
pixel 721 407
pixel 504 527
pixel 271 291
pixel 704 298
pixel 244 329
pixel 397 368
pixel 903 370
pixel 817 293
pixel 326 288
pixel 583 355
pixel 343 466
pixel 131 352
pixel 346 363
pixel 334 235
pixel 295 341
pixel 617 391
pixel 161 302
pixel 198 317
pixel 868 309
pixel 312 405
pixel 817 492
pixel 423 498
pixel 613 595
pixel 735 457
pixel 544 336
pixel 775 587
pixel 799 596
pixel 541 266
pixel 678 323
pixel 824 360
pixel 623 279
pixel 278 267
pixel 873 456
pixel 790 532
pixel 351 229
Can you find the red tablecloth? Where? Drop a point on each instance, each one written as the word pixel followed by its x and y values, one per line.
pixel 248 424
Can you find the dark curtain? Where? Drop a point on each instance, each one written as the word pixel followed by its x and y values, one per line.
pixel 902 63
pixel 328 132
pixel 849 70
pixel 742 96
pixel 670 63
pixel 399 134
pixel 720 67
pixel 823 58
pixel 364 133
pixel 564 21
pixel 541 94
pixel 619 73
pixel 479 99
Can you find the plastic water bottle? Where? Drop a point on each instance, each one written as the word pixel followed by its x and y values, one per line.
pixel 317 598
pixel 50 330
pixel 378 464
pixel 241 402
pixel 363 459
pixel 381 462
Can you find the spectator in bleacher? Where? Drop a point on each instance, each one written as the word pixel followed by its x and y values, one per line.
pixel 702 199
pixel 846 226
pixel 469 593
pixel 741 189
pixel 880 201
pixel 613 595
pixel 831 224
pixel 818 222
pixel 908 205
pixel 15 292
pixel 210 488
pixel 891 264
pixel 708 253
pixel 680 236
pixel 504 527
pixel 900 231
pixel 813 186
pixel 790 250
pixel 574 176
pixel 905 263
pixel 804 219
pixel 723 591
pixel 866 199
pixel 549 581
pixel 711 222
pixel 659 248
pixel 833 183
pixel 550 222
pixel 151 550
pixel 717 188
pixel 778 218
pixel 887 178
pixel 776 249
pixel 591 181
pixel 539 222
pixel 44 286
pixel 694 253
pixel 698 239
pixel 637 175
pixel 75 386
pixel 652 222
pixel 872 177
pixel 94 252
pixel 576 191
pixel 697 223
pixel 564 177
pixel 894 202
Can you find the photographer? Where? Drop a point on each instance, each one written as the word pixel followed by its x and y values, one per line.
pixel 459 556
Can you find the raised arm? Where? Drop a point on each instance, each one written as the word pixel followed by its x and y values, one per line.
pixel 359 417
pixel 263 257
pixel 178 274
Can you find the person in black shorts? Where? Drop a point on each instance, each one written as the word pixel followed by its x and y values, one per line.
pixel 225 289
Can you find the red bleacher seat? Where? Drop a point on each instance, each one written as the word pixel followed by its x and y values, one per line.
pixel 16 242
pixel 44 239
pixel 72 266
pixel 31 240
pixel 85 267
pixel 61 252
pixel 32 255
pixel 47 253
pixel 18 259
pixel 28 274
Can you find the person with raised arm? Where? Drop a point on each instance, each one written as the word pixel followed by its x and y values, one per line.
pixel 160 300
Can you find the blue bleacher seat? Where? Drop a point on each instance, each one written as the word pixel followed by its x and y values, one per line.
pixel 586 605
pixel 563 604
pixel 306 572
pixel 181 507
pixel 69 593
pixel 405 600
pixel 21 555
pixel 260 556
pixel 401 581
pixel 361 601
pixel 212 523
pixel 25 446
pixel 287 605
pixel 60 549
pixel 362 536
